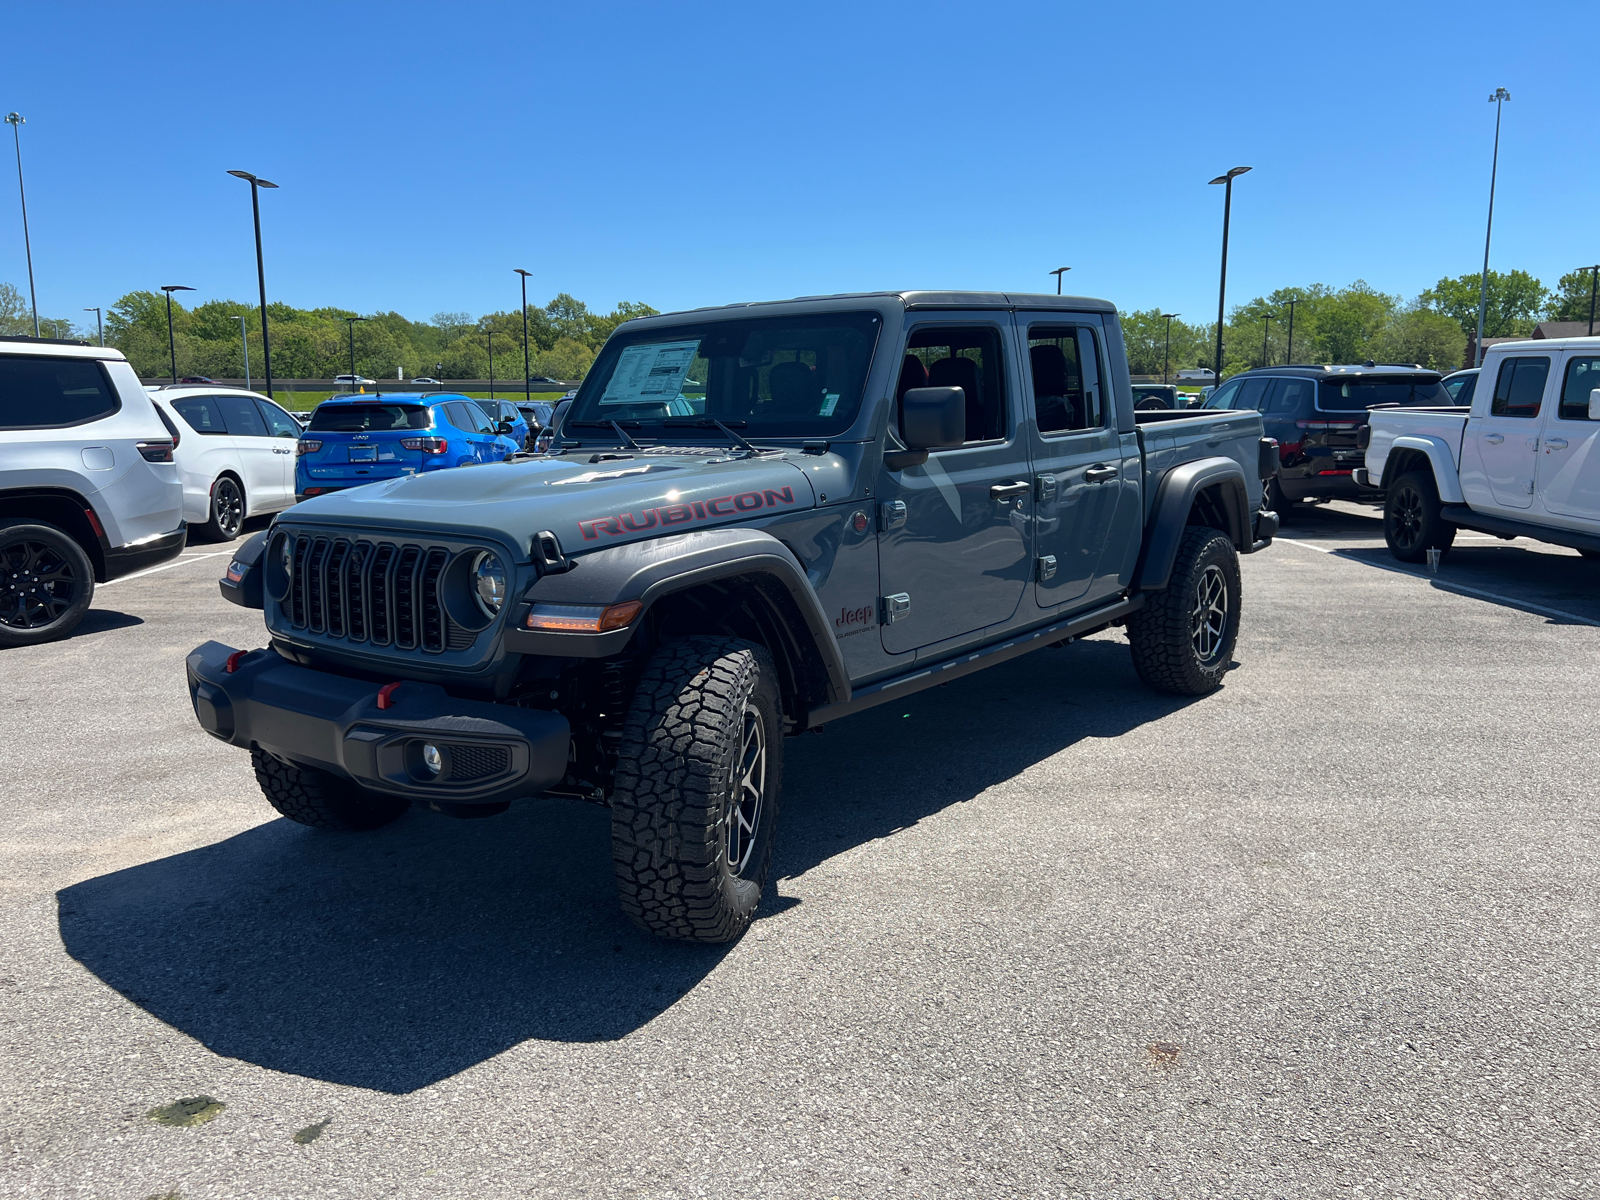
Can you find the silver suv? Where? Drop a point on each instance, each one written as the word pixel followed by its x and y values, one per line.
pixel 88 488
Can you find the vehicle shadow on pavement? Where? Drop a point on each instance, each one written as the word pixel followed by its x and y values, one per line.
pixel 394 959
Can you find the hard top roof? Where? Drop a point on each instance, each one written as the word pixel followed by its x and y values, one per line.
pixel 909 299
pixel 1335 371
pixel 1522 345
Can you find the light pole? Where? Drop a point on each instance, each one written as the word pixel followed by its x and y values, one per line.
pixel 256 183
pixel 350 324
pixel 1594 286
pixel 244 340
pixel 1288 355
pixel 1266 329
pixel 172 349
pixel 17 121
pixel 527 387
pixel 1058 273
pixel 1166 358
pixel 490 332
pixel 1222 286
pixel 1498 100
pixel 98 324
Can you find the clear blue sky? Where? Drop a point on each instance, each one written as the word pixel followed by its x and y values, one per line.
pixel 688 154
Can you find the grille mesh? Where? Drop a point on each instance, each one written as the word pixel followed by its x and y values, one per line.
pixel 477 762
pixel 382 593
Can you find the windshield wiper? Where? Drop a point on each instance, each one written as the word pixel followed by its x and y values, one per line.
pixel 622 433
pixel 711 422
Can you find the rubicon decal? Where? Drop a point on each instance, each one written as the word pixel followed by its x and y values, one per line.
pixel 668 515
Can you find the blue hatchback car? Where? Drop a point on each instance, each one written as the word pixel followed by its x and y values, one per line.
pixel 352 440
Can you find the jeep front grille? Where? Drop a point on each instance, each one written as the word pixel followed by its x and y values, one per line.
pixel 381 593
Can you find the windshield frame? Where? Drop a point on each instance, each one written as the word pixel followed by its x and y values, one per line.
pixel 695 428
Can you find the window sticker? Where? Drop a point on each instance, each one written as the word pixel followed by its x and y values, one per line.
pixel 830 401
pixel 650 374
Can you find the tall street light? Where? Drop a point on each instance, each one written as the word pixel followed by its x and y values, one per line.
pixel 1266 329
pixel 244 340
pixel 1058 273
pixel 1498 100
pixel 172 348
pixel 256 183
pixel 350 324
pixel 17 121
pixel 1166 359
pixel 1222 287
pixel 98 324
pixel 1594 286
pixel 491 363
pixel 527 387
pixel 1288 355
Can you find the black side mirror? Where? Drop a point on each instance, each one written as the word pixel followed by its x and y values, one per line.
pixel 503 428
pixel 933 418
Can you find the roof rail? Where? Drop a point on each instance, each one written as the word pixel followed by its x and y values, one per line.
pixel 43 341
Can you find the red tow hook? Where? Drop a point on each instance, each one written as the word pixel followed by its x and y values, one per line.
pixel 386 695
pixel 232 664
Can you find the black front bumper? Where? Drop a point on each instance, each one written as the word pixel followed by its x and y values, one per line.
pixel 491 753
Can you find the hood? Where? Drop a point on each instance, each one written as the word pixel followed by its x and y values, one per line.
pixel 585 504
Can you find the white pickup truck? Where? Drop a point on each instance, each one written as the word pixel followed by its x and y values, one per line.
pixel 1522 461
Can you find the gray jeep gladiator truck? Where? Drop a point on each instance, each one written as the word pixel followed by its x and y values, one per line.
pixel 753 520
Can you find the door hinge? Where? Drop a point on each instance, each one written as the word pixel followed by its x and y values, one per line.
pixel 1046 567
pixel 894 608
pixel 1045 487
pixel 891 514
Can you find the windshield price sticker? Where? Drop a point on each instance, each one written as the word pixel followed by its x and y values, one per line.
pixel 650 374
pixel 830 401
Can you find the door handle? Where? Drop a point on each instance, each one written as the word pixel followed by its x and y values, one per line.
pixel 1010 491
pixel 1494 439
pixel 1100 473
pixel 1555 443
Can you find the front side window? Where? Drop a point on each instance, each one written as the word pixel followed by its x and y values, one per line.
pixel 1067 393
pixel 773 377
pixel 201 413
pixel 368 418
pixel 1519 387
pixel 1583 376
pixel 1253 392
pixel 967 358
pixel 1225 395
pixel 279 423
pixel 44 393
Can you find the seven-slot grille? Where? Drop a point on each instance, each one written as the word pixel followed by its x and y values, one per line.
pixel 377 592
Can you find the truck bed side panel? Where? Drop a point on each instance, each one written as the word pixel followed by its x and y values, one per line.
pixel 1437 432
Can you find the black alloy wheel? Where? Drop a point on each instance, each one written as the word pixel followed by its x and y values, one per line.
pixel 46 583
pixel 1411 522
pixel 227 510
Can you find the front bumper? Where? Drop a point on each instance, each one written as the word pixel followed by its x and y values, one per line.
pixel 125 560
pixel 491 752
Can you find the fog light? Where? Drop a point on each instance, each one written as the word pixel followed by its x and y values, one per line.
pixel 432 759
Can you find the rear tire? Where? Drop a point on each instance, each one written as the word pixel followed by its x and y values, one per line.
pixel 46 584
pixel 699 774
pixel 227 510
pixel 319 799
pixel 1183 637
pixel 1411 522
pixel 1278 502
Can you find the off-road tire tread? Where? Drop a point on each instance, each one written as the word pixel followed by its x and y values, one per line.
pixel 672 766
pixel 1159 634
pixel 322 801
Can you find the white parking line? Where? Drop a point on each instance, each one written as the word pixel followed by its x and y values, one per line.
pixel 1462 588
pixel 178 562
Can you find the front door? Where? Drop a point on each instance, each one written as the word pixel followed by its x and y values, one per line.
pixel 1078 456
pixel 285 432
pixel 953 532
pixel 1507 440
pixel 1569 455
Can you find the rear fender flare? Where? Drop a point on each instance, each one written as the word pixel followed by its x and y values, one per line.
pixel 1443 463
pixel 1219 479
pixel 650 571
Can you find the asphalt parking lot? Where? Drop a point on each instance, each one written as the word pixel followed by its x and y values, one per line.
pixel 1039 932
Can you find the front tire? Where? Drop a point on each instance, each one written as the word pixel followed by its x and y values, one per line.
pixel 1183 638
pixel 1278 502
pixel 699 773
pixel 46 584
pixel 227 510
pixel 1411 522
pixel 321 800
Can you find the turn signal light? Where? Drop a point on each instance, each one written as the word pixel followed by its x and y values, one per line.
pixel 583 618
pixel 428 445
pixel 308 445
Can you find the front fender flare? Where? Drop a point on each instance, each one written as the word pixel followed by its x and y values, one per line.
pixel 650 570
pixel 1445 475
pixel 1169 516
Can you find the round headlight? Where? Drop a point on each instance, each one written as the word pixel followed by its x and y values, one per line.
pixel 286 556
pixel 489 582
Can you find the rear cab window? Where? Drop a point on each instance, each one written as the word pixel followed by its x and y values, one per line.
pixel 1519 386
pixel 53 393
pixel 369 418
pixel 1583 376
pixel 1064 362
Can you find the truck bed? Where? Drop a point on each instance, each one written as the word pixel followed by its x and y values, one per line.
pixel 1442 426
pixel 1170 437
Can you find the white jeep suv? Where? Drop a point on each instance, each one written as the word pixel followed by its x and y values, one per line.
pixel 88 487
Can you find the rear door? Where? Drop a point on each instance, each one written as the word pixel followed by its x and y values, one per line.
pixel 1569 452
pixel 1080 463
pixel 1506 438
pixel 953 552
pixel 203 455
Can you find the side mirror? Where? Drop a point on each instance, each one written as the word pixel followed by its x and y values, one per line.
pixel 1594 405
pixel 503 428
pixel 933 418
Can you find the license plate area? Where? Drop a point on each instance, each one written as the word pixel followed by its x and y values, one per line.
pixel 363 454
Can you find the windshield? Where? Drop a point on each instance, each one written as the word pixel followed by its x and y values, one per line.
pixel 1357 395
pixel 773 377
pixel 365 418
